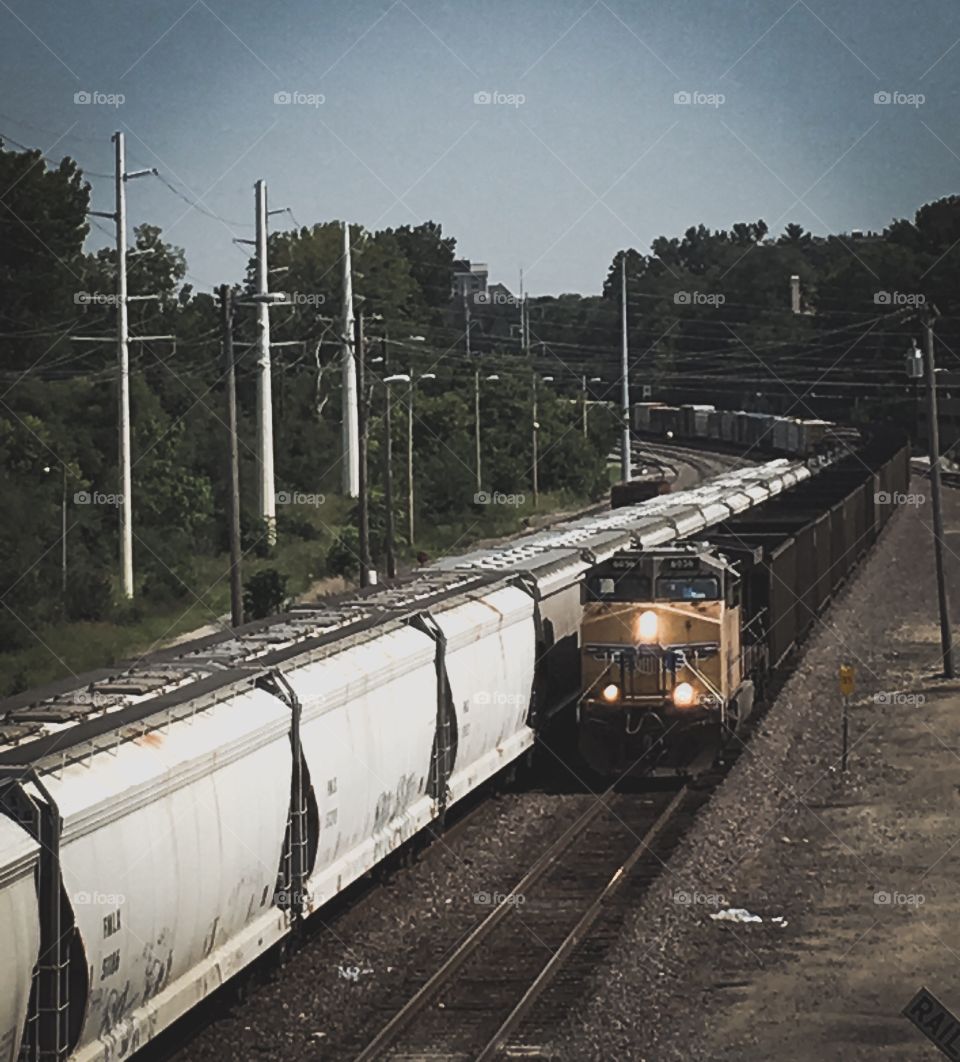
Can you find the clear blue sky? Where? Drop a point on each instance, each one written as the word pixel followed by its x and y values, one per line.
pixel 598 156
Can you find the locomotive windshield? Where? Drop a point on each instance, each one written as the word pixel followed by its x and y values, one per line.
pixel 628 586
pixel 688 588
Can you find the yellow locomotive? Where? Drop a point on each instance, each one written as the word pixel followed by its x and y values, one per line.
pixel 662 665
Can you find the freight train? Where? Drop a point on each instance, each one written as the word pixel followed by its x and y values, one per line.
pixel 763 433
pixel 165 823
pixel 678 641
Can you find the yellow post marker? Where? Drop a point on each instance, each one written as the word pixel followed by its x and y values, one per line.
pixel 847 686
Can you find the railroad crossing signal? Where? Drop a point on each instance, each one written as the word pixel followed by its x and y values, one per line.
pixel 846 680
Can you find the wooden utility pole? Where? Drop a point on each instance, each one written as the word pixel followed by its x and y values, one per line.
pixel 626 472
pixel 233 457
pixel 933 437
pixel 364 501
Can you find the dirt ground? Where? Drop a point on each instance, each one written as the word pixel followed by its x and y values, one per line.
pixel 862 866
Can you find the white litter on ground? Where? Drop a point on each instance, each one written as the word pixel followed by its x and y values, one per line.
pixel 735 914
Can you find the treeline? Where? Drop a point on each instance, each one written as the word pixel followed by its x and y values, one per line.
pixel 710 319
pixel 58 410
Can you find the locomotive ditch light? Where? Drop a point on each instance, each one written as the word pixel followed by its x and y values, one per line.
pixel 683 695
pixel 611 693
pixel 647 625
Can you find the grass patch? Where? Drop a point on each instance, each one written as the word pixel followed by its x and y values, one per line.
pixel 76 647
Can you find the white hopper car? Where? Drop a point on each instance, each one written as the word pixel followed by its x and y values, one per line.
pixel 163 825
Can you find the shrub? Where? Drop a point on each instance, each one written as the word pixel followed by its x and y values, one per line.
pixel 264 594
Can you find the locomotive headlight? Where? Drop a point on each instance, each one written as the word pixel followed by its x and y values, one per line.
pixel 683 695
pixel 611 693
pixel 647 624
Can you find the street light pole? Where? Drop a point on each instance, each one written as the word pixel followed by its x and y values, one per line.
pixel 476 422
pixel 410 518
pixel 364 513
pixel 535 441
pixel 933 436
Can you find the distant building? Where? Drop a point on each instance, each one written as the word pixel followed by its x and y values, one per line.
pixel 469 278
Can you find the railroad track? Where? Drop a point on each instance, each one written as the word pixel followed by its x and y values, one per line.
pixel 499 989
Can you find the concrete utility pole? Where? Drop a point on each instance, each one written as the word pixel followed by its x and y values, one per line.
pixel 267 496
pixel 349 412
pixel 123 365
pixel 626 471
pixel 933 436
pixel 123 360
pixel 233 456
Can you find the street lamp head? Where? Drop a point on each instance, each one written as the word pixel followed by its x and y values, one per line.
pixel 596 379
pixel 548 379
pixel 493 376
pixel 397 377
pixel 428 376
